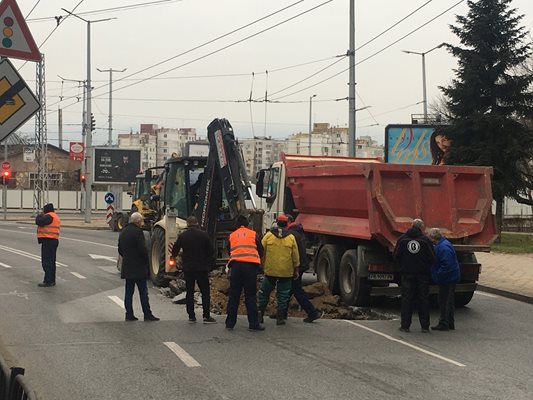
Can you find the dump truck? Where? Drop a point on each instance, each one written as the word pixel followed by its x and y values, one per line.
pixel 354 210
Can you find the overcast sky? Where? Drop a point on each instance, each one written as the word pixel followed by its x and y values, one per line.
pixel 217 79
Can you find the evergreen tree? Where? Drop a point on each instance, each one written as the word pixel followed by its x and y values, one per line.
pixel 491 98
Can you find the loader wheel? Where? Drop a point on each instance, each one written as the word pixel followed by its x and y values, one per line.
pixel 157 258
pixel 327 266
pixel 120 223
pixel 354 290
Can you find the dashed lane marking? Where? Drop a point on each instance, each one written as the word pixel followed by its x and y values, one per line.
pixel 28 255
pixel 64 238
pixel 5 265
pixel 78 275
pixel 185 357
pixel 412 346
pixel 117 300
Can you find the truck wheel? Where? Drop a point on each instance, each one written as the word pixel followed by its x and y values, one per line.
pixel 157 258
pixel 354 290
pixel 327 267
pixel 463 298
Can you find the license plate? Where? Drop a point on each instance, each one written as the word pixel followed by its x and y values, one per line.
pixel 380 277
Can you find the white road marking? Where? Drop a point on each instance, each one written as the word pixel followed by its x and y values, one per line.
pixel 182 355
pixel 99 257
pixel 5 265
pixel 78 275
pixel 493 296
pixel 412 346
pixel 64 238
pixel 28 255
pixel 117 300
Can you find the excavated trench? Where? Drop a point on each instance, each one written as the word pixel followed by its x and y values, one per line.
pixel 318 293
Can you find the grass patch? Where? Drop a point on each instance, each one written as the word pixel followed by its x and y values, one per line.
pixel 514 243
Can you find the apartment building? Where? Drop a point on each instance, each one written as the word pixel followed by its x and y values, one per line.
pixel 261 152
pixel 171 142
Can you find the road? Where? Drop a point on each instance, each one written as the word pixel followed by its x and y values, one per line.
pixel 74 343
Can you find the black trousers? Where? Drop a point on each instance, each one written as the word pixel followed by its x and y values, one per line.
pixel 143 296
pixel 48 259
pixel 415 292
pixel 243 276
pixel 447 305
pixel 202 279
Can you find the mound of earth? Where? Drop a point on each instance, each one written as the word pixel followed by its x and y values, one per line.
pixel 318 293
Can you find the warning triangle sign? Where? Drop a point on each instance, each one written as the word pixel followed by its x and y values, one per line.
pixel 16 40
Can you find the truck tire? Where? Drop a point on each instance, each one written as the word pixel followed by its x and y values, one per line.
pixel 327 266
pixel 463 298
pixel 157 258
pixel 354 290
pixel 120 222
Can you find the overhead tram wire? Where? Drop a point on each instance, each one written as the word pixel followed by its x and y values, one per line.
pixel 376 53
pixel 211 53
pixel 367 42
pixel 33 8
pixel 194 48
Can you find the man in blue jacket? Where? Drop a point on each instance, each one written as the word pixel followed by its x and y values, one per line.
pixel 445 273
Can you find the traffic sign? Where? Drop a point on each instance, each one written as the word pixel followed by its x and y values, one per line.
pixel 17 102
pixel 6 165
pixel 76 151
pixel 109 198
pixel 110 211
pixel 16 40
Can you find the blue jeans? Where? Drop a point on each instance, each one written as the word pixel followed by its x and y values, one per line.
pixel 143 294
pixel 48 259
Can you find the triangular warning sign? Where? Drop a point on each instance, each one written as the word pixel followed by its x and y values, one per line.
pixel 16 40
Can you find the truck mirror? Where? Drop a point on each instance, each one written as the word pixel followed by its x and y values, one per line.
pixel 129 194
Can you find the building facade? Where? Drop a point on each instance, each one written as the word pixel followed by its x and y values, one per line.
pixel 261 152
pixel 146 142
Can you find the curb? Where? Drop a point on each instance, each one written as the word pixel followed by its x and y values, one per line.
pixel 504 293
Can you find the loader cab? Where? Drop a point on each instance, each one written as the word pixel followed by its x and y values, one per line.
pixel 183 177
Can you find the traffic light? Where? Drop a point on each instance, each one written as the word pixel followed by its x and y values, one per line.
pixel 80 177
pixel 6 176
pixel 93 122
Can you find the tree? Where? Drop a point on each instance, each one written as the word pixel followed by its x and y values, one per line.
pixel 490 99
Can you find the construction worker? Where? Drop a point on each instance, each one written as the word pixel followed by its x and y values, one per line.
pixel 281 260
pixel 48 225
pixel 244 265
pixel 197 260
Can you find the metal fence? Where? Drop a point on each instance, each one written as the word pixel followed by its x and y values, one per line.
pixel 13 383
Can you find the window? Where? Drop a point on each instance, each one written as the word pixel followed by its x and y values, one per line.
pixel 164 143
pixel 165 135
pixel 165 151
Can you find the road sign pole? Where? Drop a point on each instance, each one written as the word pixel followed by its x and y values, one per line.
pixel 4 188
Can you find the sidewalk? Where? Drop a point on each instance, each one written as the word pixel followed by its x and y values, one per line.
pixel 509 275
pixel 68 221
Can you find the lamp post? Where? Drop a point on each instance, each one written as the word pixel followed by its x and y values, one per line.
pixel 89 179
pixel 310 117
pixel 424 90
pixel 110 120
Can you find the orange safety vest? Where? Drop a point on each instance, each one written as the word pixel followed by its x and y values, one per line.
pixel 243 247
pixel 50 231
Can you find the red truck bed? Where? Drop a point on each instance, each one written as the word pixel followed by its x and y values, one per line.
pixel 365 198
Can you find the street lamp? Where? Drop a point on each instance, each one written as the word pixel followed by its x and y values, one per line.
pixel 423 54
pixel 310 115
pixel 88 139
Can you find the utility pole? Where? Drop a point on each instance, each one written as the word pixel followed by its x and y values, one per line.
pixel 60 126
pixel 424 90
pixel 310 117
pixel 110 120
pixel 351 95
pixel 89 179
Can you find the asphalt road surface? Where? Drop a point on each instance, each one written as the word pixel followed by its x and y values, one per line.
pixel 74 343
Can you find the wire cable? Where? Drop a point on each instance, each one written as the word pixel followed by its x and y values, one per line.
pixel 33 8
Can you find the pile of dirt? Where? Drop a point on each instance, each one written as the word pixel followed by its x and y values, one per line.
pixel 318 293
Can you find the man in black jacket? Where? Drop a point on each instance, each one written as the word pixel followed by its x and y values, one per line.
pixel 414 252
pixel 135 269
pixel 197 260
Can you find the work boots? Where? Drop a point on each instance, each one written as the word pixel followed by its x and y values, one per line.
pixel 280 318
pixel 261 316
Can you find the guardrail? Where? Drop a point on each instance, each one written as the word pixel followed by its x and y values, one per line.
pixel 13 383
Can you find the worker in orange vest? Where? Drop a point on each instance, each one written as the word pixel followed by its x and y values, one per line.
pixel 244 265
pixel 48 225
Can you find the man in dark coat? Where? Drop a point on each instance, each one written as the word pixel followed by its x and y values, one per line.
pixel 135 268
pixel 414 253
pixel 445 273
pixel 197 261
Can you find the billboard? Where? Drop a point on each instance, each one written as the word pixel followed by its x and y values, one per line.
pixel 415 144
pixel 113 165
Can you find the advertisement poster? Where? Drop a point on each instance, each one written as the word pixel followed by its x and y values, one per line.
pixel 415 144
pixel 116 165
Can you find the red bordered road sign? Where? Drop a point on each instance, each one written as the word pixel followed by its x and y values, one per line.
pixel 6 165
pixel 16 40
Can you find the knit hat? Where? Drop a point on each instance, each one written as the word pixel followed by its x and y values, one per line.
pixel 48 208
